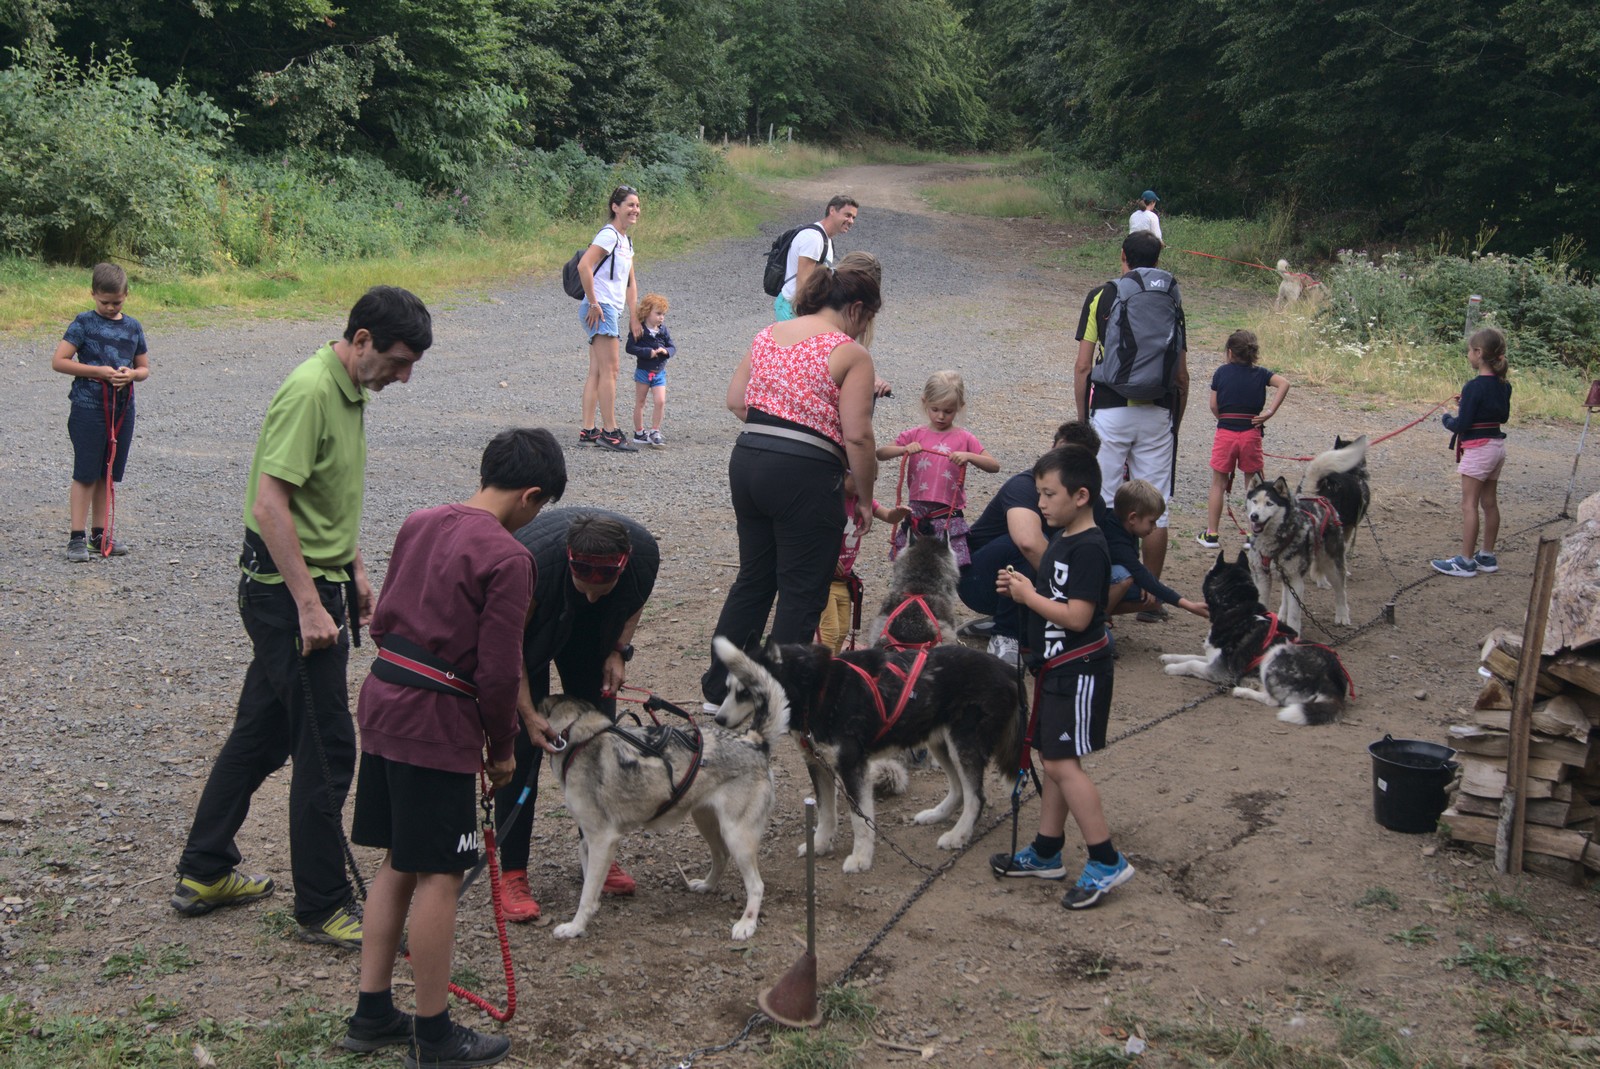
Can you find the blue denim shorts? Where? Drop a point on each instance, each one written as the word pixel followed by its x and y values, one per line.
pixel 1118 574
pixel 610 315
pixel 651 379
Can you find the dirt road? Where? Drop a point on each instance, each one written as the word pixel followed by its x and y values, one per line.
pixel 1254 841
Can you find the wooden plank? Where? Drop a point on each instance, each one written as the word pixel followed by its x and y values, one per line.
pixel 1494 695
pixel 1557 842
pixel 1558 716
pixel 1502 654
pixel 1547 811
pixel 1536 768
pixel 1591 857
pixel 1544 578
pixel 1570 873
pixel 1582 672
pixel 1486 778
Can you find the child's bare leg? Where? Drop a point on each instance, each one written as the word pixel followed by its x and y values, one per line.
pixel 433 935
pixel 1219 488
pixel 639 390
pixel 79 497
pixel 1471 492
pixel 388 898
pixel 1489 501
pixel 658 398
pixel 99 504
pixel 1080 797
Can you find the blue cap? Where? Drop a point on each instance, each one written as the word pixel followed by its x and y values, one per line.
pixel 1149 194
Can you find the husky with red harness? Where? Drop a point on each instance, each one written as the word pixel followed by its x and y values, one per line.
pixel 919 611
pixel 1297 538
pixel 1306 682
pixel 959 703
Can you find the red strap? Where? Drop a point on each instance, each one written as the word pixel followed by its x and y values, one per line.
pixel 1272 634
pixel 1053 663
pixel 448 679
pixel 908 683
pixel 915 599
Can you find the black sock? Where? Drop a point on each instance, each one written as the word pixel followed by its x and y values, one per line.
pixel 434 1029
pixel 98 533
pixel 1048 846
pixel 1104 853
pixel 375 1005
pixel 74 534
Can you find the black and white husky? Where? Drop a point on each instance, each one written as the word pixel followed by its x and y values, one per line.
pixel 1306 682
pixel 618 779
pixel 1340 475
pixel 961 704
pixel 1303 537
pixel 920 607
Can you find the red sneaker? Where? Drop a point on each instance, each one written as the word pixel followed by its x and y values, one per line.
pixel 617 882
pixel 515 898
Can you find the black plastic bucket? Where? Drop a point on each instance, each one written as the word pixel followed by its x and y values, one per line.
pixel 1408 783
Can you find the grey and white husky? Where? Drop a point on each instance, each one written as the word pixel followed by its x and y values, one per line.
pixel 618 779
pixel 925 574
pixel 1306 682
pixel 1302 537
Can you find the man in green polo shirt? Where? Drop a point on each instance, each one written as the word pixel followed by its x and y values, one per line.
pixel 302 582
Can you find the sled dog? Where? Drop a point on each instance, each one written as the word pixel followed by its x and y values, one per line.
pixel 1299 538
pixel 919 610
pixel 1340 475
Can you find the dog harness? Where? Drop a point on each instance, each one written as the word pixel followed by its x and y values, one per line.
pixel 1459 440
pixel 908 683
pixel 654 743
pixel 892 643
pixel 1323 515
pixel 1279 634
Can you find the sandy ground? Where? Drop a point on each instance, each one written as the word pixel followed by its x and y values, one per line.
pixel 1254 841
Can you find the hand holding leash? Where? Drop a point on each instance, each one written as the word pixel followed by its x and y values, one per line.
pixel 499 772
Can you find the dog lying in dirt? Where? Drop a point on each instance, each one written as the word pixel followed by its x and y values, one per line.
pixel 959 703
pixel 618 779
pixel 1306 682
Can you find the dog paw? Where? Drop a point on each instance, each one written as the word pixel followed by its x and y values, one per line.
pixel 1293 714
pixel 952 840
pixel 699 887
pixel 1322 583
pixel 856 863
pixel 1342 618
pixel 824 848
pixel 744 929
pixel 1243 692
pixel 927 816
pixel 570 930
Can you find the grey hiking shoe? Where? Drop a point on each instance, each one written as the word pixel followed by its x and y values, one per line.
pixel 78 550
pixel 463 1049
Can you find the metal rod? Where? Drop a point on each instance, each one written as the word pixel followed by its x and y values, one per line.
pixel 1565 505
pixel 811 876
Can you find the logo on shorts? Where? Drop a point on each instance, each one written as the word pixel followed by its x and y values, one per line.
pixel 467 844
pixel 1066 736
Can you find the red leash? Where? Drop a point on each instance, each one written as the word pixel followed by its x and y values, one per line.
pixel 113 431
pixel 1382 437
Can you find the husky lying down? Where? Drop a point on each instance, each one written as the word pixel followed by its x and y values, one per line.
pixel 618 779
pixel 962 706
pixel 1307 682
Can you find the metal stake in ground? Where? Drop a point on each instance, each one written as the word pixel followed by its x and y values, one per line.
pixel 1590 403
pixel 793 999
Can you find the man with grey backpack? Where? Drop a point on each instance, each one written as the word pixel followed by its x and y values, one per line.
pixel 1131 381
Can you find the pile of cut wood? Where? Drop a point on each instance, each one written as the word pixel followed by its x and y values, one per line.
pixel 1559 736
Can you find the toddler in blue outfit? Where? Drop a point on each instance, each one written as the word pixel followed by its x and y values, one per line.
pixel 652 348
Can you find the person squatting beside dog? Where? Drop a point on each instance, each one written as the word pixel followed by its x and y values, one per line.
pixel 303 593
pixel 651 350
pixel 845 592
pixel 1239 403
pixel 804 393
pixel 936 458
pixel 1129 520
pixel 454 601
pixel 104 351
pixel 1069 653
pixel 1480 445
pixel 593 573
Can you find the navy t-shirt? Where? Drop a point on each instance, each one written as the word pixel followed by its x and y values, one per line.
pixel 1017 492
pixel 1240 388
pixel 1073 568
pixel 105 343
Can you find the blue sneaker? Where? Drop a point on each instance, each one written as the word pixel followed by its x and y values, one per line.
pixel 1028 863
pixel 1458 566
pixel 1487 562
pixel 1096 880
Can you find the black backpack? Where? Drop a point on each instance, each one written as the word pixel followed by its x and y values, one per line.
pixel 775 275
pixel 572 282
pixel 1141 323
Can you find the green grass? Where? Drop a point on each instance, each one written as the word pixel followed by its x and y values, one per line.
pixel 1489 962
pixel 847 1005
pixel 797 159
pixel 1415 936
pixel 807 1049
pixel 1002 196
pixel 1381 897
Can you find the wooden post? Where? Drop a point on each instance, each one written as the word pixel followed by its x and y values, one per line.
pixel 1514 810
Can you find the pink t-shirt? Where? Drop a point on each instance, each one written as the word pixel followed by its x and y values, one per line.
pixel 930 474
pixel 792 382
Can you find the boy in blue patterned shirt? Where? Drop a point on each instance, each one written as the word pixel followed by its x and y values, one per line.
pixel 105 353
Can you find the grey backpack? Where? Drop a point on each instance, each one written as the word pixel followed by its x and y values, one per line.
pixel 1141 334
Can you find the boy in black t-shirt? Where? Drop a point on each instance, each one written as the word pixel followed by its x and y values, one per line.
pixel 1071 655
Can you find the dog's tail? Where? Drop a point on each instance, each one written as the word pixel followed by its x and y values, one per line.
pixel 1335 461
pixel 1009 740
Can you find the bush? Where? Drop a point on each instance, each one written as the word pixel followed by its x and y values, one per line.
pixel 1550 314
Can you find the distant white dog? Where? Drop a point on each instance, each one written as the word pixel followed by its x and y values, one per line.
pixel 1291 289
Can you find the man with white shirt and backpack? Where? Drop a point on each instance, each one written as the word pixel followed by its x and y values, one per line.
pixel 803 248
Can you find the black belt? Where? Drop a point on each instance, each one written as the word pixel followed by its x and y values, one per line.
pixel 255 559
pixel 406 664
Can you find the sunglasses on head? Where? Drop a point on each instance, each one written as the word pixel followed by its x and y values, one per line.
pixel 596 567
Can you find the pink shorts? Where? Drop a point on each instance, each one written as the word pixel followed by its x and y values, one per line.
pixel 1482 459
pixel 1241 449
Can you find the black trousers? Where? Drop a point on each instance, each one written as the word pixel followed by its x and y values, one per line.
pixel 272 726
pixel 977 586
pixel 789 512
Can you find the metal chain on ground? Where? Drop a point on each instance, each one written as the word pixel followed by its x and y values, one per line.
pixel 879 831
pixel 700 1052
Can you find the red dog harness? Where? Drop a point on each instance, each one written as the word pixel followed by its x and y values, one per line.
pixel 890 642
pixel 908 683
pixel 1290 638
pixel 1323 516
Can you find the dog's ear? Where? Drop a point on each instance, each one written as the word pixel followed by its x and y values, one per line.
pixel 1244 559
pixel 1281 485
pixel 1222 558
pixel 924 527
pixel 774 653
pixel 1339 442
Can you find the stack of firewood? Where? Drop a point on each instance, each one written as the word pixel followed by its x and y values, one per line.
pixel 1563 783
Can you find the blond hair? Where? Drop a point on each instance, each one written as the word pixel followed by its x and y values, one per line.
pixel 1138 497
pixel 651 302
pixel 945 387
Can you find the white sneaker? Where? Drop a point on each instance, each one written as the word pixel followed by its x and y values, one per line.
pixel 1004 647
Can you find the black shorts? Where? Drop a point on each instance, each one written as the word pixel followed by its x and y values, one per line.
pixel 426 819
pixel 1074 708
pixel 91 443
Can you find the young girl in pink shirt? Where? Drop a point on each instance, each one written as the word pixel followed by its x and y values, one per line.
pixel 934 473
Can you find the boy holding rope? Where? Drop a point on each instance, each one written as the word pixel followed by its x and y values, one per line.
pixel 444 687
pixel 105 353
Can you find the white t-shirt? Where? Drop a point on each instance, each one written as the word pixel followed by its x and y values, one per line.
pixel 813 246
pixel 607 289
pixel 1145 220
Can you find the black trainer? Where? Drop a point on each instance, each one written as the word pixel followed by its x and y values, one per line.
pixel 462 1049
pixel 367 1034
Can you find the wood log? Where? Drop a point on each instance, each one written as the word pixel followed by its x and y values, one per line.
pixel 1494 695
pixel 1558 717
pixel 1500 654
pixel 1551 812
pixel 1574 618
pixel 1571 873
pixel 1581 670
pixel 1486 778
pixel 1591 857
pixel 1557 842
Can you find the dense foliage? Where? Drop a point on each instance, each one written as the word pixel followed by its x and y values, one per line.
pixel 1383 119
